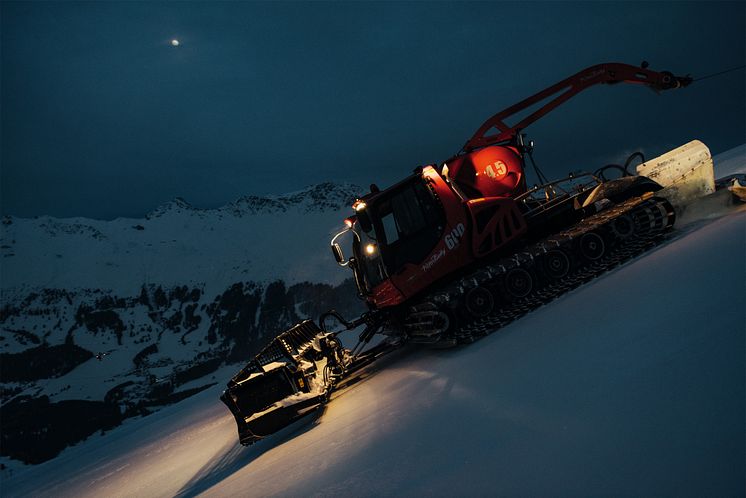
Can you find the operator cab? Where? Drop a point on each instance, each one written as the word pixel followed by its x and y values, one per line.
pixel 394 227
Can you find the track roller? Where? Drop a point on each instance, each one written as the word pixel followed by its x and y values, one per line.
pixel 479 302
pixel 518 283
pixel 591 246
pixel 556 264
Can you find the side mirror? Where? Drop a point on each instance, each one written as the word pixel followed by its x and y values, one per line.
pixel 338 254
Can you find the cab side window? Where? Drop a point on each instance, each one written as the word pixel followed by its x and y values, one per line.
pixel 412 223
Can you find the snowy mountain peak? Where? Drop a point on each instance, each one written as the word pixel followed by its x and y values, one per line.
pixel 178 242
pixel 326 196
pixel 176 205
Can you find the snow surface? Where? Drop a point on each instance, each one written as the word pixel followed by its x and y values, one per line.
pixel 631 385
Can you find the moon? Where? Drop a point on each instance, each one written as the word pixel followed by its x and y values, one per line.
pixel 175 42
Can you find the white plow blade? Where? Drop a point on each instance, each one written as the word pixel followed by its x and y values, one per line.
pixel 686 173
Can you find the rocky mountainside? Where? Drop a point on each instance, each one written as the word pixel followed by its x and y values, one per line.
pixel 104 320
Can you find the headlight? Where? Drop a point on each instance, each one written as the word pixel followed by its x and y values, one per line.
pixel 370 249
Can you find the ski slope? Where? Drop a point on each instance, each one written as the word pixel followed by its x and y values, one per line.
pixel 630 385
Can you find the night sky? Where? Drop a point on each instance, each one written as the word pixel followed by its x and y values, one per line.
pixel 103 117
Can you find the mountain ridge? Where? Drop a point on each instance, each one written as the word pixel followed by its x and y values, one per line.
pixel 253 237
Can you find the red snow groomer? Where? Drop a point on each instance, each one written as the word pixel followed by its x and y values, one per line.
pixel 461 248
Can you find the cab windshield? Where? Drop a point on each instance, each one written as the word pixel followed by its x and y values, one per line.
pixel 406 224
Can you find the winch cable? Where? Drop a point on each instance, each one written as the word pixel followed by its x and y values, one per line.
pixel 720 73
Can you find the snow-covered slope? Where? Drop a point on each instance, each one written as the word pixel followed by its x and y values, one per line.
pixel 111 319
pixel 257 238
pixel 631 385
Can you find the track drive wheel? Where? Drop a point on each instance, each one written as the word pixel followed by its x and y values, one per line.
pixel 623 227
pixel 447 338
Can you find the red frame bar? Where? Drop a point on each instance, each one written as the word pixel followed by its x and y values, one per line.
pixel 608 73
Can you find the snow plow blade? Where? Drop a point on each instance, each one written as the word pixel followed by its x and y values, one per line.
pixel 287 380
pixel 685 173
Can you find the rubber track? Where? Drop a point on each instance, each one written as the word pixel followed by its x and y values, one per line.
pixel 651 219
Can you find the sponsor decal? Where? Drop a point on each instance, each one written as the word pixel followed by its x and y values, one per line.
pixel 433 259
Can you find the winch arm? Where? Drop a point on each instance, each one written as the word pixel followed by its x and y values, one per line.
pixel 608 73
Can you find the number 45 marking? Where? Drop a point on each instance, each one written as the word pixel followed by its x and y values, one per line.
pixel 496 171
